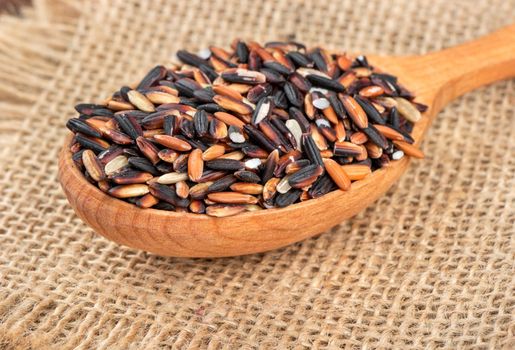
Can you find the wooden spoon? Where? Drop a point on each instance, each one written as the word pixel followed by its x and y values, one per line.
pixel 436 78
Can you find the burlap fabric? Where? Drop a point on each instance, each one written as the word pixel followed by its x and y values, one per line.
pixel 430 265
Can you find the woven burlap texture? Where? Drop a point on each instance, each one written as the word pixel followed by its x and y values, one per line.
pixel 31 47
pixel 430 265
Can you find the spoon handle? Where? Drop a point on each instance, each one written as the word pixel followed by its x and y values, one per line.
pixel 450 73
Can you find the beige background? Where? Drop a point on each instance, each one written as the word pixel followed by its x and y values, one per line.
pixel 430 265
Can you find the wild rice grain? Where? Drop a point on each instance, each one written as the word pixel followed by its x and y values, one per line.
pixel 195 165
pixel 172 178
pixel 93 165
pixel 247 188
pixel 232 198
pixel 115 164
pixel 247 176
pixel 173 142
pixel 140 101
pixel 288 198
pixel 311 150
pixel 305 176
pixel 225 164
pixel 128 191
pixel 356 171
pixel 409 149
pixel 336 172
pixel 130 176
pixel 407 110
pixel 323 185
pixel 147 201
pixel 76 125
pixel 327 83
pixel 355 111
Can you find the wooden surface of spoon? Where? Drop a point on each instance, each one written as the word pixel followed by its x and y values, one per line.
pixel 435 78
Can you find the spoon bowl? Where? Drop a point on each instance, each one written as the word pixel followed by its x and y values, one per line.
pixel 435 78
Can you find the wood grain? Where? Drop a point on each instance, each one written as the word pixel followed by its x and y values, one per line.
pixel 436 78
